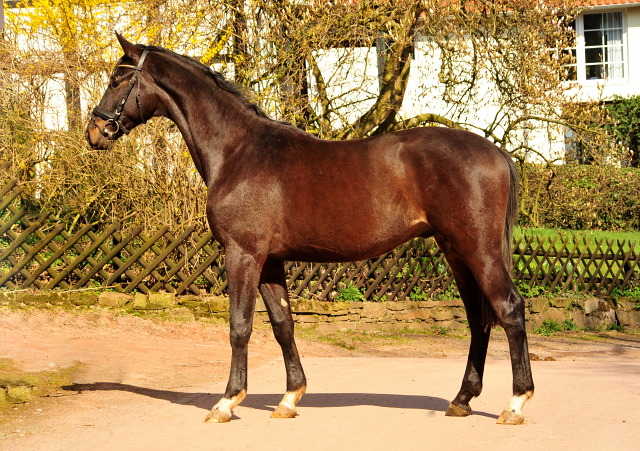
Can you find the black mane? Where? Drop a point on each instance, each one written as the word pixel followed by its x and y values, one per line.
pixel 231 87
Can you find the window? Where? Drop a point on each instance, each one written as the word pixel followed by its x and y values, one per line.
pixel 575 149
pixel 601 46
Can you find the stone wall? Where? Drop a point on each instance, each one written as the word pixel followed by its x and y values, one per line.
pixel 587 313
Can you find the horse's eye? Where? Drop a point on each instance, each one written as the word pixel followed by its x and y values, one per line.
pixel 115 82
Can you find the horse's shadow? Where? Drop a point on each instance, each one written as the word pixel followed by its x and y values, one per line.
pixel 269 401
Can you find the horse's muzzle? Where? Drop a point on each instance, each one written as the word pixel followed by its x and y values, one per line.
pixel 95 135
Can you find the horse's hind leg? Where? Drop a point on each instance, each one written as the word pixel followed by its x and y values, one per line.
pixel 276 298
pixel 472 298
pixel 496 284
pixel 243 272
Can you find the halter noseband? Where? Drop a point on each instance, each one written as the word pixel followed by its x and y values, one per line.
pixel 114 118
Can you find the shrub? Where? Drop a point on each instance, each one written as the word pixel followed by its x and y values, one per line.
pixel 549 327
pixel 350 294
pixel 568 324
pixel 582 197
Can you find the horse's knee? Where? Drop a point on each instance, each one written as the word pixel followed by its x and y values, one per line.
pixel 240 334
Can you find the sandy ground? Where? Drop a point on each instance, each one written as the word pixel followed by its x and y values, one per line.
pixel 128 369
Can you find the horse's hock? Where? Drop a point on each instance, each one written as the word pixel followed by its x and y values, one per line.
pixel 590 313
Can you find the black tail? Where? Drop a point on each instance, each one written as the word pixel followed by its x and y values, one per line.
pixel 512 213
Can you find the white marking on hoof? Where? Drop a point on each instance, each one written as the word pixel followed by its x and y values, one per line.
pixel 512 414
pixel 291 398
pixel 283 302
pixel 287 407
pixel 517 402
pixel 225 406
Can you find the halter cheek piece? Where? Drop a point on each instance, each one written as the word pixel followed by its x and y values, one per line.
pixel 114 118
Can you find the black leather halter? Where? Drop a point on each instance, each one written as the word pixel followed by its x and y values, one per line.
pixel 114 118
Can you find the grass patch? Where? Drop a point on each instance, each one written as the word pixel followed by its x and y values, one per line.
pixel 548 328
pixel 570 325
pixel 616 327
pixel 577 234
pixel 30 384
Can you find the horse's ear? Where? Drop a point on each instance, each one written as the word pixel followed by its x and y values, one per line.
pixel 130 50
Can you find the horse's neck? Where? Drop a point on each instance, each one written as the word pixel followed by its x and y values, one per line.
pixel 212 122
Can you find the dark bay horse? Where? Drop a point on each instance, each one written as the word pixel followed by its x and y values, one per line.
pixel 277 193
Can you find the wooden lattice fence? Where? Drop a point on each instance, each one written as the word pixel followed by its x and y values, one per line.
pixel 37 252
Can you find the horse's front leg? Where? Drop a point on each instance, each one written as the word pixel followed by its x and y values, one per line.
pixel 274 292
pixel 243 274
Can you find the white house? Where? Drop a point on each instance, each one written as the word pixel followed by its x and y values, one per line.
pixel 607 53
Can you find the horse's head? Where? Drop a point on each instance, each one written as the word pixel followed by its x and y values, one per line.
pixel 127 102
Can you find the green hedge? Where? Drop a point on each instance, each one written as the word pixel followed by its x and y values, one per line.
pixel 581 197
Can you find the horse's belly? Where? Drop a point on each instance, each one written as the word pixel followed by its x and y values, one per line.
pixel 341 244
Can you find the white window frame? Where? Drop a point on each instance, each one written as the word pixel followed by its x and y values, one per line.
pixel 581 67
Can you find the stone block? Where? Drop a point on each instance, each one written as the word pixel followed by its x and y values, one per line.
pixel 19 394
pixel 396 305
pixel 216 304
pixel 578 317
pixel 529 327
pixel 302 306
pixel 451 303
pixel 3 396
pixel 188 298
pixel 538 305
pixel 627 318
pixel 593 304
pixel 159 300
pixel 599 319
pixel 84 298
pixel 320 307
pixel 356 305
pixel 535 321
pixel 312 318
pixel 554 314
pixel 410 315
pixel 441 314
pixel 427 304
pixel 220 318
pixel 112 299
pixel 181 313
pixel 626 304
pixel 459 313
pixel 374 309
pixel 561 302
pixel 412 305
pixel 385 319
pixel 40 298
pixel 139 301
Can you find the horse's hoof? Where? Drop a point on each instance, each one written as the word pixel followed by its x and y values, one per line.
pixel 283 412
pixel 217 416
pixel 509 417
pixel 455 410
